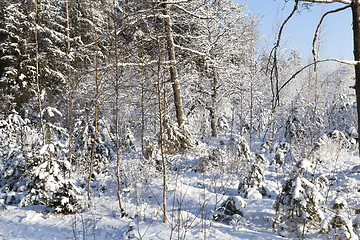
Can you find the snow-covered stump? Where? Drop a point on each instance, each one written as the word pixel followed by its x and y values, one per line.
pixel 230 209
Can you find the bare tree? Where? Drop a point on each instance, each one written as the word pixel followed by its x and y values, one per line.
pixel 38 72
pixel 355 7
pixel 38 90
pixel 96 111
pixel 117 112
pixel 162 122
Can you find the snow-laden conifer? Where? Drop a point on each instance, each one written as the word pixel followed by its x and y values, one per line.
pixel 298 204
pixel 337 225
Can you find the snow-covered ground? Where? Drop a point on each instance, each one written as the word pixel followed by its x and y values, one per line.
pixel 103 221
pixel 194 193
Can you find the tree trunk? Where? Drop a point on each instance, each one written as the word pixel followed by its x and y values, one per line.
pixel 213 106
pixel 96 111
pixel 161 121
pixel 355 7
pixel 38 90
pixel 68 68
pixel 118 177
pixel 173 70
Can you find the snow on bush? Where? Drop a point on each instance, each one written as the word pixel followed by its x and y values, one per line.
pixel 252 185
pixel 176 139
pixel 233 206
pixel 35 174
pixel 337 225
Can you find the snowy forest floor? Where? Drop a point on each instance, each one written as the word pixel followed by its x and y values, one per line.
pixel 194 193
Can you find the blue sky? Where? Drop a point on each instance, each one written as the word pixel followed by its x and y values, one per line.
pixel 337 34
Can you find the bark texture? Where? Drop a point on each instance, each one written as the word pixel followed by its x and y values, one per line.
pixel 173 69
pixel 355 7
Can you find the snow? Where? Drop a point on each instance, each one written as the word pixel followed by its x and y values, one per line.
pixel 306 165
pixel 28 223
pixel 341 202
pixel 203 172
pixel 192 198
pixel 253 194
pixel 239 202
pixel 188 198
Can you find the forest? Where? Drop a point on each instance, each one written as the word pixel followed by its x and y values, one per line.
pixel 168 119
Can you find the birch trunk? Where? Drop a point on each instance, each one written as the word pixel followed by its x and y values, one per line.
pixel 158 86
pixel 213 106
pixel 117 116
pixel 173 69
pixel 38 88
pixel 96 112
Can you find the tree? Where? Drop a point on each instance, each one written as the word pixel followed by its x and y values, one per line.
pixel 117 110
pixel 226 56
pixel 299 200
pixel 337 225
pixel 17 67
pixel 173 69
pixel 217 74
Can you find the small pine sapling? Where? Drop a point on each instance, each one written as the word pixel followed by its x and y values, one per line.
pixel 48 184
pixel 128 141
pixel 337 225
pixel 84 131
pixel 242 156
pixel 281 151
pixel 253 181
pixel 356 222
pixel 298 204
pixel 214 160
pixel 18 139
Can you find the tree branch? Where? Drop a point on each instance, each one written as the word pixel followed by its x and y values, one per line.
pixel 327 1
pixel 192 14
pixel 274 70
pixel 169 2
pixel 318 28
pixel 353 63
pixel 190 50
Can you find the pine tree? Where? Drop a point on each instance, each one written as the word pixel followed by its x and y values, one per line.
pixel 337 225
pixel 298 204
pixel 16 75
pixel 19 138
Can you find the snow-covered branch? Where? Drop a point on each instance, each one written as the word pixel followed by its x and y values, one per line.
pixel 353 63
pixel 327 1
pixel 273 55
pixel 191 14
pixel 131 64
pixel 190 50
pixel 173 2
